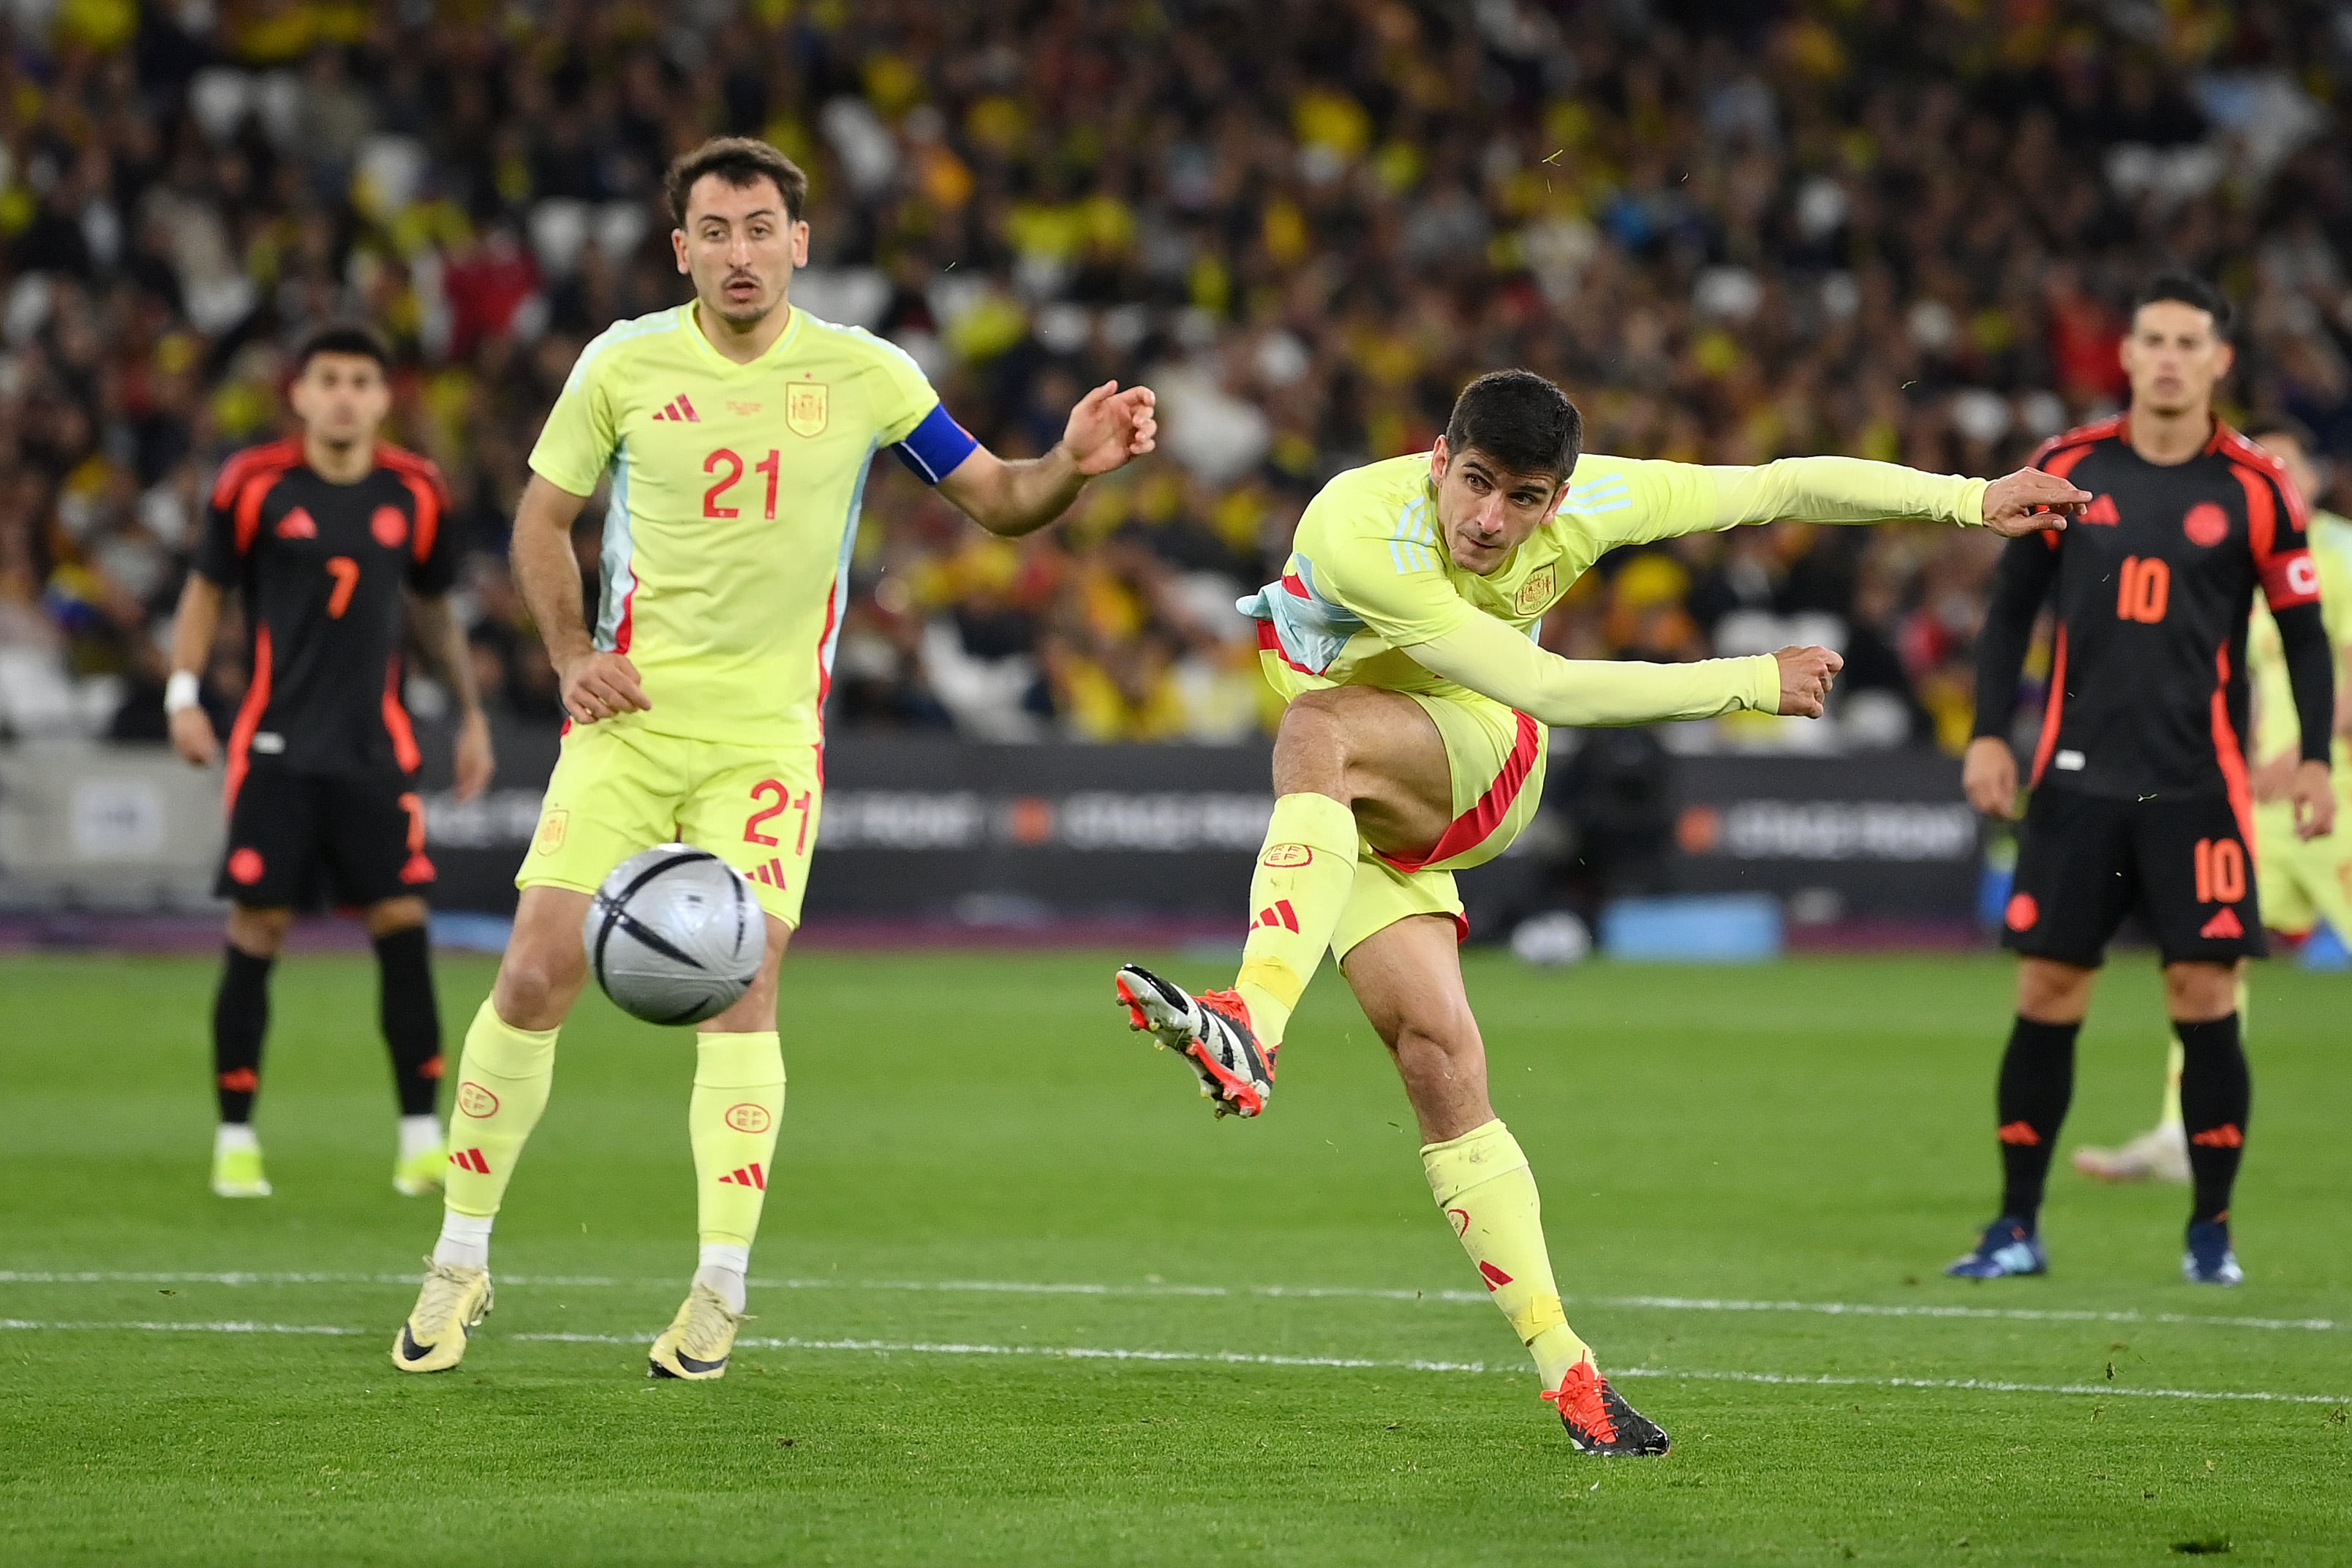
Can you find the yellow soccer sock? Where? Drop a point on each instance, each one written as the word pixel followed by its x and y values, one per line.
pixel 739 1098
pixel 502 1083
pixel 1482 1184
pixel 1297 896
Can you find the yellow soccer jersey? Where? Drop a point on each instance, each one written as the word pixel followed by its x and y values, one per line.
pixel 2275 728
pixel 1369 578
pixel 735 497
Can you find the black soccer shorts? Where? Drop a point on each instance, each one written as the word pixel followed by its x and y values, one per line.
pixel 2085 861
pixel 296 838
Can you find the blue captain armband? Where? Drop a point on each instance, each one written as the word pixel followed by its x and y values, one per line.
pixel 933 449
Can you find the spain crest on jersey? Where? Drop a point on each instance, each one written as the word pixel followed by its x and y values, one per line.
pixel 806 406
pixel 1536 592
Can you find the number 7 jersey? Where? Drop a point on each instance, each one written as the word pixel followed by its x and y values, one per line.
pixel 734 504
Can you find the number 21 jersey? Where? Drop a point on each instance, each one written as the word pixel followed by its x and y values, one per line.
pixel 735 495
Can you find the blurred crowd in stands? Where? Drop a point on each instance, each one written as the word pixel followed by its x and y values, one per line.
pixel 1895 228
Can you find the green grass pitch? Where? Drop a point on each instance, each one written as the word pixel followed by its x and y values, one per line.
pixel 1723 1153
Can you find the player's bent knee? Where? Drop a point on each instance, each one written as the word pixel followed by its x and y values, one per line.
pixel 540 975
pixel 1311 746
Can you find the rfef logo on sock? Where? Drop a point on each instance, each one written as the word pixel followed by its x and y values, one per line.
pixel 748 1118
pixel 1283 856
pixel 475 1101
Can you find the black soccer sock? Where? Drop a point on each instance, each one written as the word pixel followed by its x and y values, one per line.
pixel 2217 1096
pixel 411 1016
pixel 2037 1081
pixel 240 1018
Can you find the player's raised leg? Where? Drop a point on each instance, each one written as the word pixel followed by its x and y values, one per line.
pixel 2216 1102
pixel 1350 764
pixel 240 1022
pixel 738 1104
pixel 503 1078
pixel 410 1013
pixel 1408 976
pixel 2036 1085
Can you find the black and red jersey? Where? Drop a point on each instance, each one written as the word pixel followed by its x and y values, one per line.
pixel 323 567
pixel 2153 583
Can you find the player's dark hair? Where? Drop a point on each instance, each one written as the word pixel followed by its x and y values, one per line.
pixel 1520 420
pixel 341 338
pixel 2186 289
pixel 2286 425
pixel 741 161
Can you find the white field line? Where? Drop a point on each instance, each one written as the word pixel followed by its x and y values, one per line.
pixel 242 1327
pixel 1246 1358
pixel 1275 1292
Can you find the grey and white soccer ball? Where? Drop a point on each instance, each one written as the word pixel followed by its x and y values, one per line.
pixel 675 935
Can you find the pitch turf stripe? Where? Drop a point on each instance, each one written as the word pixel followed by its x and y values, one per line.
pixel 1271 1292
pixel 154 1328
pixel 1243 1358
pixel 1246 1358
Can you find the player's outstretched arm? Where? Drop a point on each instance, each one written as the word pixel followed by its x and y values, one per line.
pixel 444 642
pixel 193 626
pixel 1490 658
pixel 1107 429
pixel 594 685
pixel 1854 490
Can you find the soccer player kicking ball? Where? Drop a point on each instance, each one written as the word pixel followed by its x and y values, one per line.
pixel 2141 797
pixel 736 431
pixel 2303 882
pixel 1413 746
pixel 330 538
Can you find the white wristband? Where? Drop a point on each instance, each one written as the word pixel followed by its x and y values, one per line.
pixel 180 692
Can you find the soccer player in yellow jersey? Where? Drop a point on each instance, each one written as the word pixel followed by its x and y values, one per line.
pixel 2303 880
pixel 1403 632
pixel 735 432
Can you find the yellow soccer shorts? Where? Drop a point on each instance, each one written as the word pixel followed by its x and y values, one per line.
pixel 1495 758
pixel 2304 882
pixel 619 787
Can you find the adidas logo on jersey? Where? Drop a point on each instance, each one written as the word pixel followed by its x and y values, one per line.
pixel 2103 510
pixel 680 409
pixel 298 524
pixel 2223 927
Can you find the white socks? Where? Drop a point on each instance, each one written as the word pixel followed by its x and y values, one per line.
pixel 465 1244
pixel 419 1134
pixel 723 1268
pixel 464 1240
pixel 235 1137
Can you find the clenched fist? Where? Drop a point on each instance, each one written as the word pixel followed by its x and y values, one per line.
pixel 1806 674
